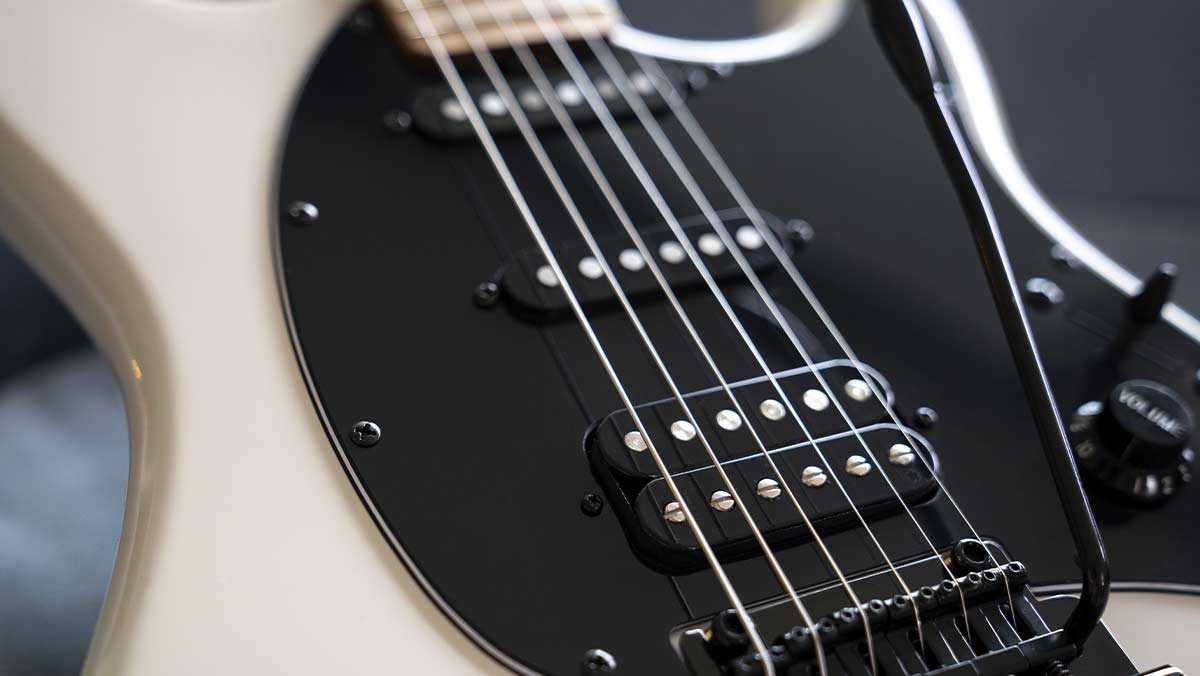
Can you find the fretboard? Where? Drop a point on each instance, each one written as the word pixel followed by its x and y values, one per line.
pixel 573 18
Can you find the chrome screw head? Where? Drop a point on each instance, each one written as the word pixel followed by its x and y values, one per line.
pixel 728 420
pixel 769 489
pixel 635 442
pixel 858 390
pixel 816 400
pixel 772 410
pixel 813 477
pixel 303 213
pixel 673 512
pixel 901 454
pixel 683 430
pixel 858 465
pixel 365 433
pixel 721 501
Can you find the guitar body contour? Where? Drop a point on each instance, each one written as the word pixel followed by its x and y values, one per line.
pixel 147 170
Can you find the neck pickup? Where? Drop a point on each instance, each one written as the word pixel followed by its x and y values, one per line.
pixel 496 21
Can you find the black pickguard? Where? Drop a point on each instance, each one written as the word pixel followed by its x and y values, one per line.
pixel 481 468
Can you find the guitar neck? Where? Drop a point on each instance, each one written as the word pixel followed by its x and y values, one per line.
pixel 496 22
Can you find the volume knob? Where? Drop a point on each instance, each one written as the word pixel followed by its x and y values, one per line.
pixel 1136 441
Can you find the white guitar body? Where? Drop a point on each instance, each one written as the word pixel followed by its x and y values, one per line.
pixel 138 154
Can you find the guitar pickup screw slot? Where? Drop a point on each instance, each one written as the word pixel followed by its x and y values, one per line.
pixel 858 465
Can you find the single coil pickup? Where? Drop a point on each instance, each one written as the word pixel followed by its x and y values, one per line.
pixel 622 448
pixel 992 638
pixel 438 114
pixel 665 540
pixel 531 286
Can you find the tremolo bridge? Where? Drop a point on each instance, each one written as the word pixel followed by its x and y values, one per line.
pixel 826 464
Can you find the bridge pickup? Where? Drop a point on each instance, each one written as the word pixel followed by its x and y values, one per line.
pixel 666 540
pixel 611 438
pixel 530 284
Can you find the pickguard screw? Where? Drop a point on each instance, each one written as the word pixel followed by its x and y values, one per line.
pixel 697 80
pixel 1044 292
pixel 597 661
pixel 1062 258
pixel 800 232
pixel 397 121
pixel 925 417
pixel 592 504
pixel 487 294
pixel 362 21
pixel 365 433
pixel 302 212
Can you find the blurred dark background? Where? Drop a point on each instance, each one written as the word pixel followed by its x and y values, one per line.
pixel 1101 100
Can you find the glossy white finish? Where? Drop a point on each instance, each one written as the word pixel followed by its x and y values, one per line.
pixel 1156 628
pixel 138 146
pixel 802 24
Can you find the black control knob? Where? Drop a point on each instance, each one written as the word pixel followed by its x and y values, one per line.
pixel 1136 441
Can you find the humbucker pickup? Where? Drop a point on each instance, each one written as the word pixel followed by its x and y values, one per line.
pixel 838 471
pixel 531 285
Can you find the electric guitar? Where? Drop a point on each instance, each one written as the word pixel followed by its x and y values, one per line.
pixel 487 336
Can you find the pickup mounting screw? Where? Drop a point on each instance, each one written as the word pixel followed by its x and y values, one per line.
pixel 365 433
pixel 303 213
pixel 592 504
pixel 925 417
pixel 487 294
pixel 858 465
pixel 597 661
pixel 673 512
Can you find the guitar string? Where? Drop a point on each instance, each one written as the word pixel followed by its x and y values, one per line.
pixel 457 85
pixel 541 82
pixel 466 26
pixel 556 40
pixel 609 63
pixel 679 109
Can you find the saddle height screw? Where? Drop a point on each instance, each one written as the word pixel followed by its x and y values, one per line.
pixel 592 504
pixel 487 294
pixel 925 417
pixel 303 213
pixel 597 661
pixel 365 433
